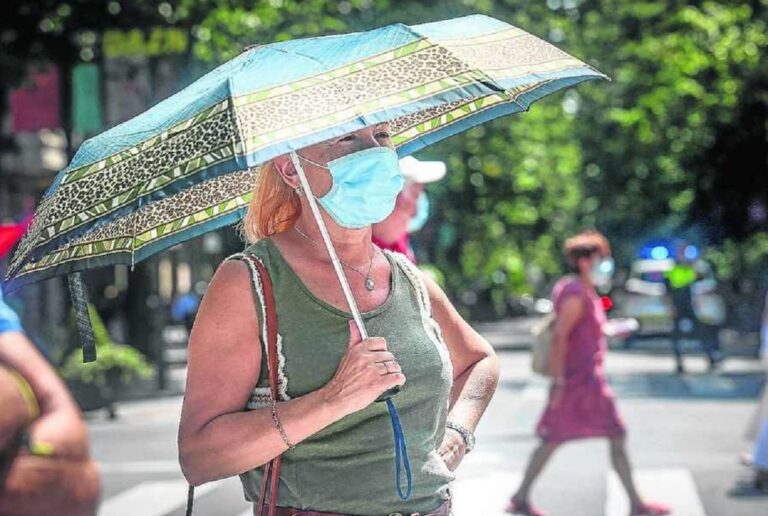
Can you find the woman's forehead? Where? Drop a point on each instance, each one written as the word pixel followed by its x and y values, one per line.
pixel 364 130
pixel 321 148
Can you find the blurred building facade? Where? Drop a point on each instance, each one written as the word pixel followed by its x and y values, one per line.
pixel 56 109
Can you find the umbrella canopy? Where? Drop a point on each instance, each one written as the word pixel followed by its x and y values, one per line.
pixel 188 165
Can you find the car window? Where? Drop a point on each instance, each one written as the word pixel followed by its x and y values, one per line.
pixel 653 276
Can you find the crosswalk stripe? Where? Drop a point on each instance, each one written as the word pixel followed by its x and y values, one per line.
pixel 672 486
pixel 486 494
pixel 151 498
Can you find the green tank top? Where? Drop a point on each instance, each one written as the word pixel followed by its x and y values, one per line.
pixel 349 467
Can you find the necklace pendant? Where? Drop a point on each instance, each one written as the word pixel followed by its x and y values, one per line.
pixel 369 284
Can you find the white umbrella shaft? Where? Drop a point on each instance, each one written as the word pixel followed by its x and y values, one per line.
pixel 329 246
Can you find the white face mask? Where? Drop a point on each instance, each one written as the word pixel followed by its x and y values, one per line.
pixel 602 271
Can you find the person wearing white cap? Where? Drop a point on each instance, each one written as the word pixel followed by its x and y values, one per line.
pixel 411 208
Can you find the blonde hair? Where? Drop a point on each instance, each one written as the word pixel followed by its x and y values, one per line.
pixel 274 206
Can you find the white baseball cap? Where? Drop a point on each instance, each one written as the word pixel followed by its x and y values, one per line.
pixel 422 171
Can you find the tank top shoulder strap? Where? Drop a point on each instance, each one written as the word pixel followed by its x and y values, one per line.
pixel 256 284
pixel 413 274
pixel 261 394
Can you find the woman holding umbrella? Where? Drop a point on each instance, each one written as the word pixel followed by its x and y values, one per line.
pixel 336 106
pixel 336 441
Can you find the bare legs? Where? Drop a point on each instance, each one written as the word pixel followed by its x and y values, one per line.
pixel 539 459
pixel 619 461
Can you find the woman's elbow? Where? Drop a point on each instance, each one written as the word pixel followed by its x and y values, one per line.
pixel 200 464
pixel 494 365
pixel 192 466
pixel 489 357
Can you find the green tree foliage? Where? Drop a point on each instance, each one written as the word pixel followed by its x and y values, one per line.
pixel 683 72
pixel 676 141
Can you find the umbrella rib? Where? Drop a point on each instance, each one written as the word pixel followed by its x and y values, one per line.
pixel 133 240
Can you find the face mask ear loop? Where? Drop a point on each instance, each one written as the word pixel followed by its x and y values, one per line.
pixel 315 209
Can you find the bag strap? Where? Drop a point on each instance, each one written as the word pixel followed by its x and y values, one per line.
pixel 271 477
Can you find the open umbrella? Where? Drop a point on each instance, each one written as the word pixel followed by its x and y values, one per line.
pixel 187 165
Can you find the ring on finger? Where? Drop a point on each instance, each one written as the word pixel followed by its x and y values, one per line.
pixel 386 366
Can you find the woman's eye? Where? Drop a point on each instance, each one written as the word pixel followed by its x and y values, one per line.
pixel 383 134
pixel 347 138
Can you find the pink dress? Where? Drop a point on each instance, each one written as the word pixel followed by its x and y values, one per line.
pixel 587 407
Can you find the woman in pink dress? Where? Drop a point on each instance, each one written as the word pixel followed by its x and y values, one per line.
pixel 580 402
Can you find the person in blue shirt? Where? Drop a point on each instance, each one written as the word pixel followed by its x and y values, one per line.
pixel 45 464
pixel 9 321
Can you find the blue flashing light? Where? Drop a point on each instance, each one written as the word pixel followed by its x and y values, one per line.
pixel 659 253
pixel 691 252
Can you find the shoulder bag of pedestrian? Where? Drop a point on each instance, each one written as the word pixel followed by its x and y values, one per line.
pixel 541 352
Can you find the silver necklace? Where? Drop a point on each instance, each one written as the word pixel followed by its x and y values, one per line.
pixel 369 283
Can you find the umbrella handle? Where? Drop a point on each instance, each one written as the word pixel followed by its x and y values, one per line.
pixel 315 209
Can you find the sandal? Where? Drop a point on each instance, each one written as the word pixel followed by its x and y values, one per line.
pixel 522 508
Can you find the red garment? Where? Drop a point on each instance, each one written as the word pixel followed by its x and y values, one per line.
pixel 401 245
pixel 587 407
pixel 12 233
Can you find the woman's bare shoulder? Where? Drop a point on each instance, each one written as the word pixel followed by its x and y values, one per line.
pixel 231 277
pixel 229 297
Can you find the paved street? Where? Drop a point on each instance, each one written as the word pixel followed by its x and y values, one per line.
pixel 685 437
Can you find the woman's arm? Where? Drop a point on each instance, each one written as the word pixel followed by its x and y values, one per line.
pixel 59 423
pixel 56 475
pixel 217 437
pixel 475 371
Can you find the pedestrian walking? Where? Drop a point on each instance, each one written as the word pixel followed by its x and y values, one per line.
pixel 335 442
pixel 45 467
pixel 760 480
pixel 760 414
pixel 759 484
pixel 581 404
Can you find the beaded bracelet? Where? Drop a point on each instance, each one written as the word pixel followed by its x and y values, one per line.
pixel 279 426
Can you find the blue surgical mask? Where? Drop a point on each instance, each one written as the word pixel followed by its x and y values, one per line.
pixel 422 213
pixel 365 187
pixel 602 271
